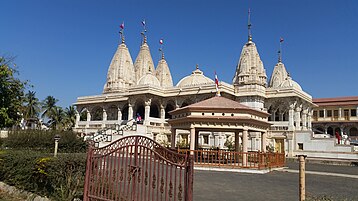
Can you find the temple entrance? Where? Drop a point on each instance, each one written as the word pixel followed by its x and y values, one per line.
pixel 279 146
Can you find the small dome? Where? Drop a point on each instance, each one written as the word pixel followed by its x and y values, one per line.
pixel 289 83
pixel 149 79
pixel 197 77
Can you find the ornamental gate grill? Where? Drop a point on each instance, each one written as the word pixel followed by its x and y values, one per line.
pixel 136 168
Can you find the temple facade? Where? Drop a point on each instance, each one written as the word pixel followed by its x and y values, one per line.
pixel 140 89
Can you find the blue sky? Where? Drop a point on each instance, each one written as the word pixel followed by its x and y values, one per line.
pixel 64 47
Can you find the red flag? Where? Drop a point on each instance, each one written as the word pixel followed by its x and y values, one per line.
pixel 217 84
pixel 122 25
pixel 281 39
pixel 161 41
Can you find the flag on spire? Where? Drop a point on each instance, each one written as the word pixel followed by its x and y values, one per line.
pixel 143 23
pixel 281 39
pixel 161 41
pixel 217 85
pixel 122 25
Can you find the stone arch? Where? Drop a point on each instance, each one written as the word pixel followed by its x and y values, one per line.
pixel 112 112
pixel 330 130
pixel 277 114
pixel 154 109
pixel 83 114
pixel 186 102
pixel 139 108
pixel 97 114
pixel 169 107
pixel 125 112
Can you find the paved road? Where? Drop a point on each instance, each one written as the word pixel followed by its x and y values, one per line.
pixel 275 186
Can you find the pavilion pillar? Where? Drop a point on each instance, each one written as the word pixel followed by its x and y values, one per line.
pixel 173 138
pixel 130 111
pixel 192 140
pixel 119 115
pixel 290 117
pixel 309 119
pixel 263 141
pixel 104 118
pixel 196 140
pixel 147 111
pixel 162 114
pixel 88 118
pixel 77 118
pixel 245 141
pixel 304 119
pixel 298 118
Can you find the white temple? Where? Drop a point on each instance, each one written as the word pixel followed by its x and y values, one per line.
pixel 140 88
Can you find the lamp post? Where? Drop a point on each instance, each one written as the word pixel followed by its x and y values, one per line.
pixel 56 138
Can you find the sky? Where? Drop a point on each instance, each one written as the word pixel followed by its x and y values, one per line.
pixel 64 48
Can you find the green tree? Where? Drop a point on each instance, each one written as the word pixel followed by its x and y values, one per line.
pixel 31 108
pixel 70 117
pixel 57 116
pixel 48 105
pixel 11 94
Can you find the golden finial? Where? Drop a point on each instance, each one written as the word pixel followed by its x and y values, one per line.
pixel 197 66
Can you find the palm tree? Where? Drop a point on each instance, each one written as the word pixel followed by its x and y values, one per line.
pixel 31 105
pixel 57 117
pixel 70 117
pixel 48 105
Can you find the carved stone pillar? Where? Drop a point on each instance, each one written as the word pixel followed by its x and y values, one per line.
pixel 290 117
pixel 304 119
pixel 104 118
pixel 130 111
pixel 192 140
pixel 263 141
pixel 245 141
pixel 119 115
pixel 147 111
pixel 281 116
pixel 77 118
pixel 162 114
pixel 88 118
pixel 298 118
pixel 237 141
pixel 309 119
pixel 173 138
pixel 339 113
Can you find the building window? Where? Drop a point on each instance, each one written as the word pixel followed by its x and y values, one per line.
pixel 300 146
pixel 321 113
pixel 353 113
pixel 335 113
pixel 223 114
pixel 315 114
pixel 212 114
pixel 232 115
pixel 202 113
pixel 329 113
pixel 206 139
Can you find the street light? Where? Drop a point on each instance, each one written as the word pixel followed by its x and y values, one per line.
pixel 56 138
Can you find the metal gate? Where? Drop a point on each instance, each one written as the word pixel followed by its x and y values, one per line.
pixel 136 168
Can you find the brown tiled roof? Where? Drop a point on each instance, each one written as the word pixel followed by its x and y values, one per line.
pixel 218 102
pixel 338 101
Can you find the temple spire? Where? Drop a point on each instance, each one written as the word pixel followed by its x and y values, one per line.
pixel 143 33
pixel 280 50
pixel 121 32
pixel 249 26
pixel 161 47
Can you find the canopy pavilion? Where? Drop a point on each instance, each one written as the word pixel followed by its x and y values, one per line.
pixel 220 114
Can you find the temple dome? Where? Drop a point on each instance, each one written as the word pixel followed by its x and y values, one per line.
pixel 289 83
pixel 149 79
pixel 197 77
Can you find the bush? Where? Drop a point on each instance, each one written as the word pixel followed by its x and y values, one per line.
pixel 43 140
pixel 60 178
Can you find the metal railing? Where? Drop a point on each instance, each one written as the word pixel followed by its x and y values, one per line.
pixel 231 159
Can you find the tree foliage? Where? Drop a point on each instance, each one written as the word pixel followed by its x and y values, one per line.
pixel 11 94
